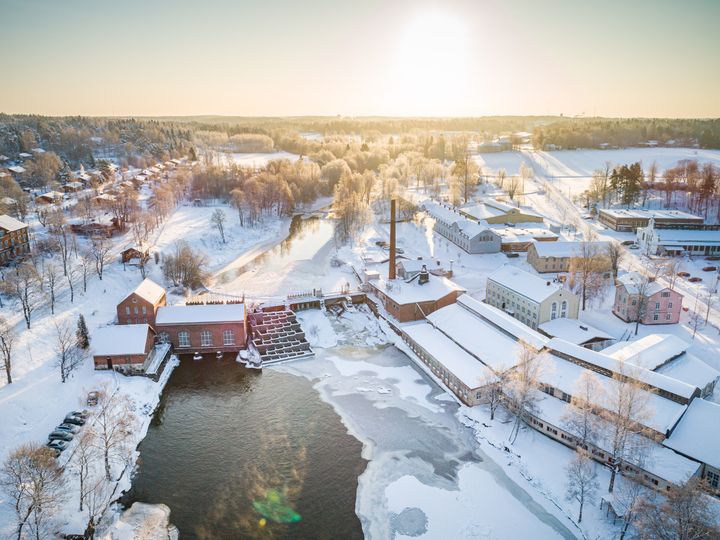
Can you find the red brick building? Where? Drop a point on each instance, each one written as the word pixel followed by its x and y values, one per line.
pixel 14 240
pixel 141 305
pixel 204 327
pixel 126 346
pixel 416 298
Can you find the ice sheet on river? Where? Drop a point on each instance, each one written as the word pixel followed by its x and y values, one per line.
pixel 426 476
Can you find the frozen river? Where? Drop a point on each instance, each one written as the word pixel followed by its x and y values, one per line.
pixel 356 441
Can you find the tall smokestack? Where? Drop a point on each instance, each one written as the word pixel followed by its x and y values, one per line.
pixel 391 262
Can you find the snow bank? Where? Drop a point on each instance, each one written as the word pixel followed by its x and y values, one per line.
pixel 143 522
pixel 318 330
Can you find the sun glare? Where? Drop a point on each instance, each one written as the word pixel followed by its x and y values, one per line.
pixel 429 63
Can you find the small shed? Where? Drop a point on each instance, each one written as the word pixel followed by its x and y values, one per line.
pixel 136 256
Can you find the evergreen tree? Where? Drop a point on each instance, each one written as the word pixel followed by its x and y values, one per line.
pixel 82 335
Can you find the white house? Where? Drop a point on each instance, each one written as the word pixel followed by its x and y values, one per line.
pixel 528 297
pixel 658 241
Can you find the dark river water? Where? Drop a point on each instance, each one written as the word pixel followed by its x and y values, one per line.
pixel 234 451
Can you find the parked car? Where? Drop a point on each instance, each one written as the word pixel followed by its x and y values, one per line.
pixel 683 274
pixel 695 279
pixel 60 446
pixel 512 255
pixel 60 435
pixel 80 414
pixel 628 242
pixel 68 427
pixel 633 246
pixel 710 269
pixel 74 420
pixel 93 398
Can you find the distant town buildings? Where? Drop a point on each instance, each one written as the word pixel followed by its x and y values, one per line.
pixel 529 298
pixel 640 298
pixel 14 239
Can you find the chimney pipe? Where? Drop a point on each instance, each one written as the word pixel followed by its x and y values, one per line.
pixel 391 262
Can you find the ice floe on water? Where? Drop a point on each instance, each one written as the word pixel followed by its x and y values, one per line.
pixel 427 476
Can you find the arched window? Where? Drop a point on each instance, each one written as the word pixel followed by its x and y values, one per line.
pixel 183 339
pixel 206 338
pixel 553 309
pixel 563 308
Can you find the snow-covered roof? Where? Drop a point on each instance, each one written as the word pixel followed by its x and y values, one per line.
pixel 686 237
pixel 633 282
pixel 10 224
pixel 572 330
pixel 526 232
pixel 150 291
pixel 637 213
pixel 648 352
pixel 503 321
pixel 480 210
pixel 496 349
pixel 696 435
pixel 690 369
pixel 565 376
pixel 52 195
pixel 24 155
pixel 402 292
pixel 659 460
pixel 524 283
pixel 199 314
pixel 642 375
pixel 565 249
pixel 415 265
pixel 465 367
pixel 122 339
pixel 17 169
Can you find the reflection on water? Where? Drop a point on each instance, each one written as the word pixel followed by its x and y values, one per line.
pixel 304 240
pixel 237 453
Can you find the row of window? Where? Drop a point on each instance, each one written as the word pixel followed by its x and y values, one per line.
pixel 135 310
pixel 206 338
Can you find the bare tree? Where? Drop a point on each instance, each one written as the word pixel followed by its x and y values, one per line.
pixel 31 478
pixel 627 500
pixel 512 186
pixel 520 388
pixel 72 274
pixel 69 357
pixel 86 452
pixel 581 420
pixel 582 483
pixel 670 271
pixel 493 384
pixel 23 285
pixel 627 408
pixel 61 236
pixel 86 261
pixel 51 277
pixel 615 254
pixel 100 250
pixel 586 271
pixel 686 513
pixel 218 219
pixel 114 423
pixel 7 339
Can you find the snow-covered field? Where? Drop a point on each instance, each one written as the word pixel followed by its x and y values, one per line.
pixel 257 159
pixel 192 224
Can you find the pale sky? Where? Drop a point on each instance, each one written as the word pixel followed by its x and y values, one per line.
pixel 369 57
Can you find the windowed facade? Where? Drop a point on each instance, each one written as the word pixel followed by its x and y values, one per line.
pixel 206 338
pixel 183 339
pixel 228 337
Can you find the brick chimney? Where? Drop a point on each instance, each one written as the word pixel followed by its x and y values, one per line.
pixel 391 261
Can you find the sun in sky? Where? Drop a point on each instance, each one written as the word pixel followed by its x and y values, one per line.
pixel 429 63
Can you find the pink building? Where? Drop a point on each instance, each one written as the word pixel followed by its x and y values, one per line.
pixel 639 297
